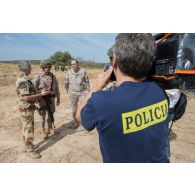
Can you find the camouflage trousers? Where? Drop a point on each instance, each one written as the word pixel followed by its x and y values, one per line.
pixel 27 117
pixel 44 111
pixel 75 99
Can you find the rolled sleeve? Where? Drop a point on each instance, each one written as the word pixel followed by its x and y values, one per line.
pixel 88 116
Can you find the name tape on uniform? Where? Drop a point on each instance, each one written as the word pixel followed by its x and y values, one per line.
pixel 145 117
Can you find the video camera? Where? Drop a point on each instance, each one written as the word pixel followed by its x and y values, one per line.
pixel 175 63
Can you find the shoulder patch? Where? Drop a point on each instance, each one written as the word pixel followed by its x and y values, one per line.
pixel 23 88
pixel 23 85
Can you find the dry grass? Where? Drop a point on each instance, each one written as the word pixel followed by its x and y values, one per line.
pixel 9 73
pixel 68 145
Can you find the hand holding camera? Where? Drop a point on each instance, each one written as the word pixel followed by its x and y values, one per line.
pixel 102 80
pixel 112 76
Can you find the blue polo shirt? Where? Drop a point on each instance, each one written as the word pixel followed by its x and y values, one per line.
pixel 131 122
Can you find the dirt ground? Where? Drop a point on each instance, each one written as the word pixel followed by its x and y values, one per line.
pixel 73 145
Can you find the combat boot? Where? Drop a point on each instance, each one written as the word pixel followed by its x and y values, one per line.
pixel 51 131
pixel 74 124
pixel 43 134
pixel 31 153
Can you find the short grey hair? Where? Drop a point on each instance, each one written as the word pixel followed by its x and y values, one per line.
pixel 74 59
pixel 110 52
pixel 24 65
pixel 135 53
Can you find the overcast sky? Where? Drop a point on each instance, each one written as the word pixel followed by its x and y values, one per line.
pixel 18 46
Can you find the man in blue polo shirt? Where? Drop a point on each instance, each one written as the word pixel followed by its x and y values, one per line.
pixel 130 119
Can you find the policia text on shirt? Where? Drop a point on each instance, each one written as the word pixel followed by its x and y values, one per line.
pixel 144 117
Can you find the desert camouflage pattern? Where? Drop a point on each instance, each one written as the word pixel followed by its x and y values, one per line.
pixel 43 112
pixel 75 99
pixel 77 85
pixel 111 85
pixel 24 87
pixel 77 82
pixel 27 117
pixel 41 81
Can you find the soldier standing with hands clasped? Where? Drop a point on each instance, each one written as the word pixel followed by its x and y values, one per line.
pixel 77 86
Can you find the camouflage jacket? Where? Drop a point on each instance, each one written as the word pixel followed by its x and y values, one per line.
pixel 111 85
pixel 77 82
pixel 24 87
pixel 41 81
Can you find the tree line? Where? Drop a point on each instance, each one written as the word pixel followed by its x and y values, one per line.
pixel 62 59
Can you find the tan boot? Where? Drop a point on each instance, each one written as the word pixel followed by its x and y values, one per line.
pixel 74 124
pixel 43 134
pixel 51 131
pixel 30 151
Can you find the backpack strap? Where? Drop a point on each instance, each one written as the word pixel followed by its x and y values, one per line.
pixel 51 81
pixel 32 85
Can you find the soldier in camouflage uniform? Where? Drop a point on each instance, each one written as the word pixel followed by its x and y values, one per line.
pixel 27 96
pixel 111 85
pixel 77 86
pixel 47 80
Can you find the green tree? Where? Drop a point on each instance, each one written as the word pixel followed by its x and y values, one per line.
pixel 61 58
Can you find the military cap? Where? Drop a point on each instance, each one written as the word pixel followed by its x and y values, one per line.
pixel 45 63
